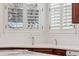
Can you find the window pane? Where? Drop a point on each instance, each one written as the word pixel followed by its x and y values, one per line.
pixel 61 16
pixel 55 16
pixel 67 16
pixel 32 16
pixel 15 16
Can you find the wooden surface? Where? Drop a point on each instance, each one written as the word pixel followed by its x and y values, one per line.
pixel 75 13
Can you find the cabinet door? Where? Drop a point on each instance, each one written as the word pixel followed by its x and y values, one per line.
pixel 75 12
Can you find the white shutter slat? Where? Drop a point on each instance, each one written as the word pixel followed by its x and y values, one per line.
pixel 61 16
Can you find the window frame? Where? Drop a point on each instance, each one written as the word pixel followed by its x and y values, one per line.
pixel 60 30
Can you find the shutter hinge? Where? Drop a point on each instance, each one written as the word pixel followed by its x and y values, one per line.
pixel 5 7
pixel 49 27
pixel 42 27
pixel 42 9
pixel 49 9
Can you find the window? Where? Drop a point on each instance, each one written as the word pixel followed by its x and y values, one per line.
pixel 33 16
pixel 55 16
pixel 15 16
pixel 67 16
pixel 61 16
